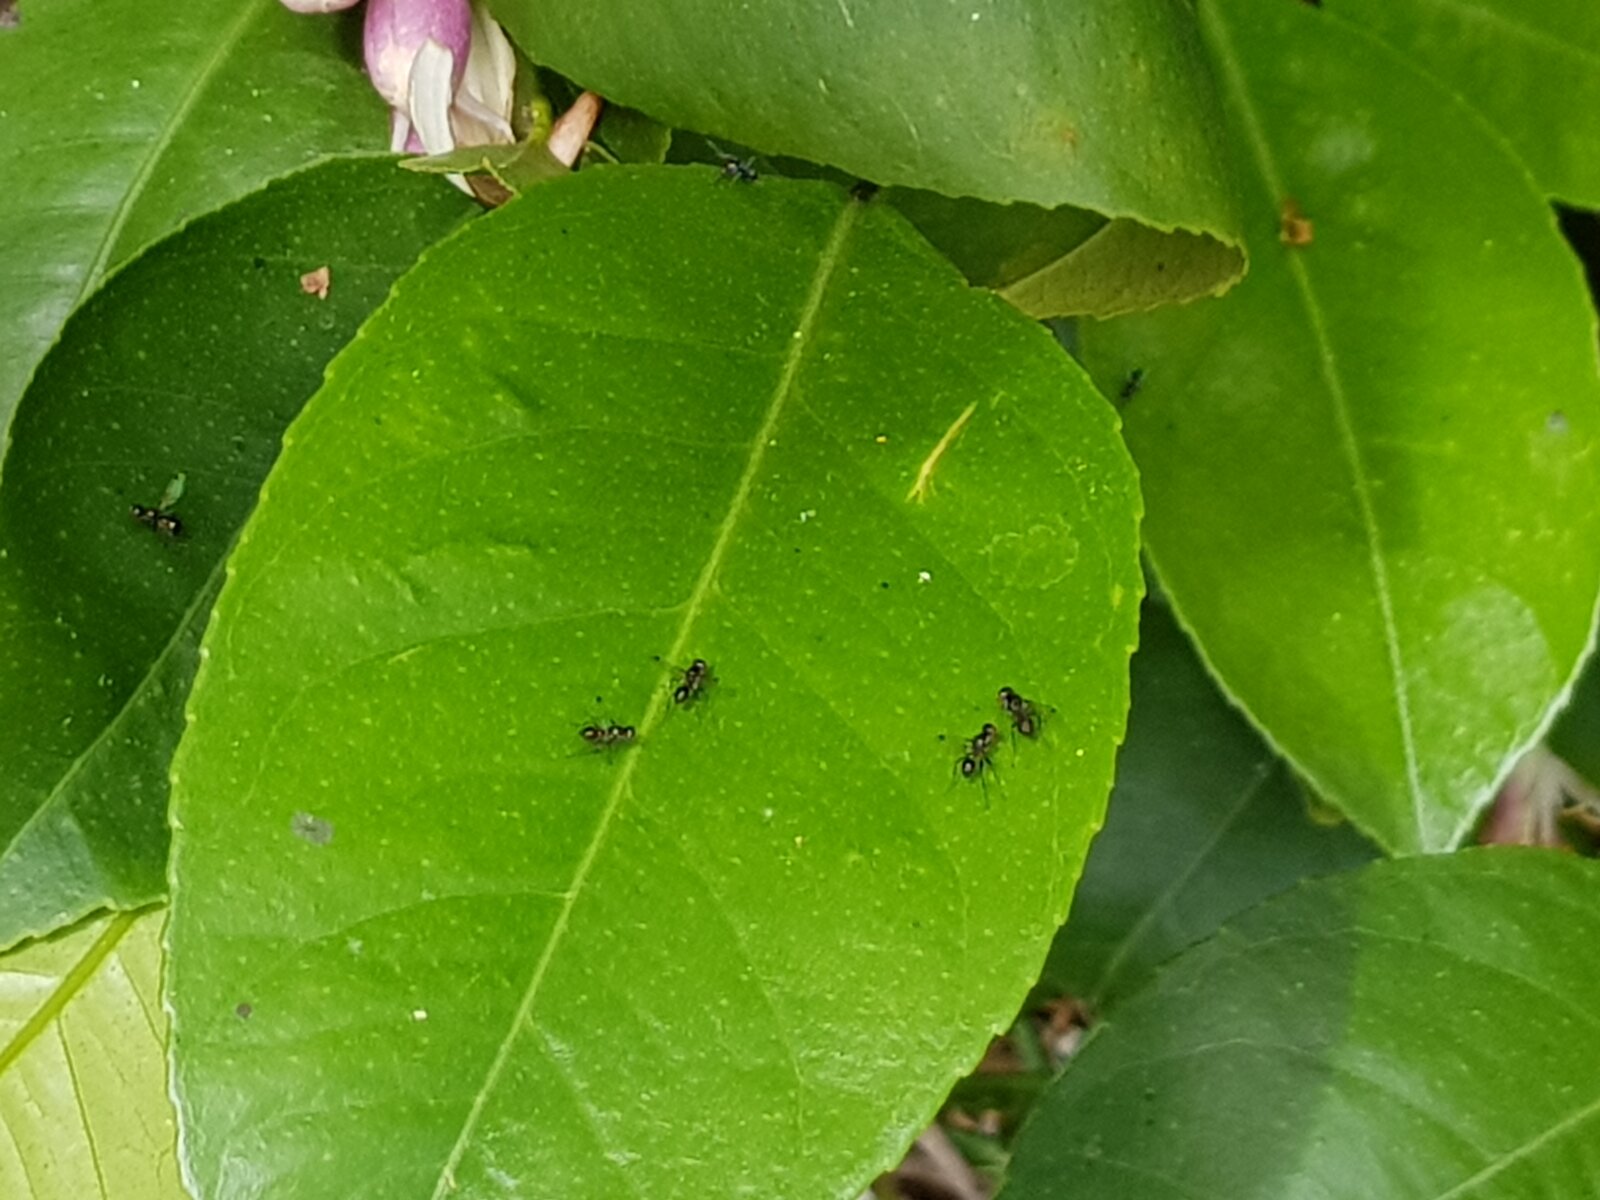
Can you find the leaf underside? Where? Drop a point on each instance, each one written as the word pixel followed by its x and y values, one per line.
pixel 83 1098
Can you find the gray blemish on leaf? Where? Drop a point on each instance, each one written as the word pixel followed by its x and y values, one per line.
pixel 311 829
pixel 10 18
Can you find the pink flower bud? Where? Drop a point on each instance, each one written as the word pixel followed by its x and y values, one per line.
pixel 318 6
pixel 397 29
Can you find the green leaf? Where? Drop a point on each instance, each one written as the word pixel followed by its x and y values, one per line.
pixel 631 136
pixel 1205 821
pixel 752 949
pixel 83 1082
pixel 515 167
pixel 121 118
pixel 189 363
pixel 1416 1028
pixel 1061 262
pixel 1530 67
pixel 1370 468
pixel 1108 107
pixel 1575 735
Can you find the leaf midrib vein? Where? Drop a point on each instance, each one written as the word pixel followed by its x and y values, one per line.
pixel 226 45
pixel 1228 61
pixel 199 607
pixel 72 983
pixel 1515 1155
pixel 826 265
pixel 1180 879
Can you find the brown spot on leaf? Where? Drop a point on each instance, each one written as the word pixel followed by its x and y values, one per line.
pixel 1294 227
pixel 315 283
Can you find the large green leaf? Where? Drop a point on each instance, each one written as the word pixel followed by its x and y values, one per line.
pixel 83 1087
pixel 120 118
pixel 1105 105
pixel 1205 821
pixel 751 952
pixel 1420 1028
pixel 1531 67
pixel 190 361
pixel 1371 469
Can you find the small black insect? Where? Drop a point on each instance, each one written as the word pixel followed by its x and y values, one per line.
pixel 163 522
pixel 1024 714
pixel 692 683
pixel 1131 386
pixel 741 169
pixel 979 753
pixel 607 736
pixel 160 516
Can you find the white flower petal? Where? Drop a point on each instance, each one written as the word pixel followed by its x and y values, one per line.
pixel 491 74
pixel 429 96
pixel 399 131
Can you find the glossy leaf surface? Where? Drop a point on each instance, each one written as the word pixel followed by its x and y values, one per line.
pixel 749 951
pixel 83 1087
pixel 1105 105
pixel 190 363
pixel 1530 67
pixel 121 118
pixel 1371 468
pixel 1205 821
pixel 1415 1028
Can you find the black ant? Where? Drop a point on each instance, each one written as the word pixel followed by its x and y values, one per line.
pixel 980 753
pixel 1024 714
pixel 160 516
pixel 733 167
pixel 165 523
pixel 607 736
pixel 693 682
